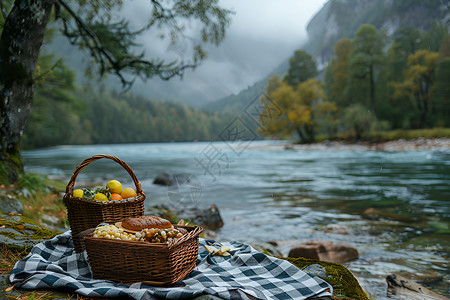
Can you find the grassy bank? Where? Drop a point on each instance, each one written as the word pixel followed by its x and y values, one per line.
pixel 41 198
pixel 390 135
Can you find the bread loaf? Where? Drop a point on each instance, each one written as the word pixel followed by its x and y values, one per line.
pixel 142 222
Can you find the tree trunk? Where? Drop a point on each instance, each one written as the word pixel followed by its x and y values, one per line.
pixel 309 133
pixel 372 92
pixel 301 135
pixel 20 43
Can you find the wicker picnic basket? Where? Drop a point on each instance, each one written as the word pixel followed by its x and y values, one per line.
pixel 135 261
pixel 84 213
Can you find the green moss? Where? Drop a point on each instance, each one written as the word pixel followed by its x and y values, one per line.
pixel 8 174
pixel 345 285
pixel 166 213
pixel 26 228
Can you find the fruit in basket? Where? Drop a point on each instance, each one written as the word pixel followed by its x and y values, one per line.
pixel 114 186
pixel 112 232
pixel 128 193
pixel 116 197
pixel 89 193
pixel 78 193
pixel 101 197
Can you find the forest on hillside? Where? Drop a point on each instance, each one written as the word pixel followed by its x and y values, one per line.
pixel 372 83
pixel 64 113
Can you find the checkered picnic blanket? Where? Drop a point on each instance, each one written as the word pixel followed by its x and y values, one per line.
pixel 246 274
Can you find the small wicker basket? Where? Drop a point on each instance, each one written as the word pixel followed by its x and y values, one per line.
pixel 135 261
pixel 83 213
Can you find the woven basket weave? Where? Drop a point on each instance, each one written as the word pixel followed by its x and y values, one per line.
pixel 83 213
pixel 135 261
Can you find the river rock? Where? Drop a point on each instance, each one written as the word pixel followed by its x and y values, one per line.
pixel 405 288
pixel 208 217
pixel 171 179
pixel 267 248
pixel 374 214
pixel 426 278
pixel 336 229
pixel 325 251
pixel 9 204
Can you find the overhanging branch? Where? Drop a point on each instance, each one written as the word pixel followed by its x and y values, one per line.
pixel 84 36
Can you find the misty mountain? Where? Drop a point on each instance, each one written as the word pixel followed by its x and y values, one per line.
pixel 154 89
pixel 341 19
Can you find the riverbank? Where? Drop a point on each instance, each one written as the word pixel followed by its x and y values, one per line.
pixel 395 145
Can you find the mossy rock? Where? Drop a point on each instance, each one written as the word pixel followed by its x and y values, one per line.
pixel 344 284
pixel 163 212
pixel 20 233
pixel 9 204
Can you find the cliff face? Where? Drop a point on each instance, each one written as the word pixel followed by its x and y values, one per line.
pixel 341 18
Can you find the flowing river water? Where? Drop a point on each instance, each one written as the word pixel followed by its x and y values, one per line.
pixel 265 193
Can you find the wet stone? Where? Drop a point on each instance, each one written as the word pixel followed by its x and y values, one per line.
pixel 267 248
pixel 28 225
pixel 316 269
pixel 10 205
pixel 336 229
pixel 8 231
pixel 325 251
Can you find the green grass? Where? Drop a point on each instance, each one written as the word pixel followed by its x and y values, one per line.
pixel 383 136
pixel 391 135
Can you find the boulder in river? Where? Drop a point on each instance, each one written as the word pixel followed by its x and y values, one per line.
pixel 325 251
pixel 171 179
pixel 405 288
pixel 208 217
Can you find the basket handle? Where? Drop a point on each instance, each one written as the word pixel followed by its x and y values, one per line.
pixel 87 161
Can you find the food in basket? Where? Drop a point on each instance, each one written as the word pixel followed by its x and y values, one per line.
pixel 112 191
pixel 155 235
pixel 143 222
pixel 116 197
pixel 100 194
pixel 113 232
pixel 152 235
pixel 101 197
pixel 114 187
pixel 78 193
pixel 128 193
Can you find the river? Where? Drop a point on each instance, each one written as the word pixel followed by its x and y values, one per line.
pixel 265 193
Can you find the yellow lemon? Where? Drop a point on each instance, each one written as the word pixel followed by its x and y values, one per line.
pixel 101 197
pixel 128 193
pixel 114 187
pixel 78 193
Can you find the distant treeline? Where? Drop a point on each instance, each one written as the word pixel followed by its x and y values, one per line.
pixel 63 114
pixel 372 83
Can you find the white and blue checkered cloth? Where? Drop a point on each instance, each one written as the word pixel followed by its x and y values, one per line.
pixel 246 274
